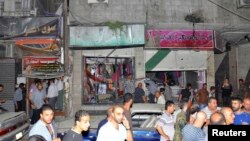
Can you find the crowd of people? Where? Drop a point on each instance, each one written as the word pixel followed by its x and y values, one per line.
pixel 116 127
pixel 187 124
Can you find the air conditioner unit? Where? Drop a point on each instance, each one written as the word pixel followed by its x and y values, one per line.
pixel 97 1
pixel 244 3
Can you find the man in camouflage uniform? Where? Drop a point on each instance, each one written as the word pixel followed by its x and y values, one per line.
pixel 180 122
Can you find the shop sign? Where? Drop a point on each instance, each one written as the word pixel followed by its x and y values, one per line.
pixel 38 46
pixel 41 65
pixel 30 27
pixel 181 39
pixel 103 36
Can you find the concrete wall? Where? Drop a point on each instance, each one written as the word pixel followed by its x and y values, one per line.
pixel 239 66
pixel 243 63
pixel 157 13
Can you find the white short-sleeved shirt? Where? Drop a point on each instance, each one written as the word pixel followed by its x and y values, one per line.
pixel 166 121
pixel 109 133
pixel 161 100
pixel 52 91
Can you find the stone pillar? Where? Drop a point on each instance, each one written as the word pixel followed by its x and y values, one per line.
pixel 210 69
pixel 77 81
pixel 139 63
pixel 233 68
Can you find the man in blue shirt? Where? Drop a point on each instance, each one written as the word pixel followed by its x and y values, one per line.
pixel 18 97
pixel 44 126
pixel 241 117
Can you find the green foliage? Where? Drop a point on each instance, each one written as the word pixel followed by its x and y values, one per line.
pixel 115 26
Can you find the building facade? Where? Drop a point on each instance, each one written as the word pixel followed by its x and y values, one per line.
pixel 227 20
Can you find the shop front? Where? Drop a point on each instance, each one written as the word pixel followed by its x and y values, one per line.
pixel 106 58
pixel 41 51
pixel 180 57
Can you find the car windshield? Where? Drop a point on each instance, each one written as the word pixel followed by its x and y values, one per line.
pixel 140 119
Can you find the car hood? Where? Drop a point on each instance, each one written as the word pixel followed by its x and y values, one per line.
pixel 11 118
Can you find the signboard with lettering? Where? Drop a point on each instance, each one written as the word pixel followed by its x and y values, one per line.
pixel 41 65
pixel 182 39
pixel 38 46
pixel 103 36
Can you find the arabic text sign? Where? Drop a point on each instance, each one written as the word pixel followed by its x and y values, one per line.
pixel 41 64
pixel 202 39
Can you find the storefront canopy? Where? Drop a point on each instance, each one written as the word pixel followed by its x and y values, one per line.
pixel 42 67
pixel 104 36
pixel 44 76
pixel 172 60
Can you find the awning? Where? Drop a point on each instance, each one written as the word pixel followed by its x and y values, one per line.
pixel 44 76
pixel 173 60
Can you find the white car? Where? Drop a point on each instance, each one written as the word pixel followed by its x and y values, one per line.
pixel 144 113
pixel 13 125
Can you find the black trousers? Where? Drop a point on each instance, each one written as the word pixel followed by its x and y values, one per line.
pixel 226 100
pixel 151 98
pixel 35 116
pixel 19 106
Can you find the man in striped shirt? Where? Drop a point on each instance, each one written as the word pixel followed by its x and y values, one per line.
pixel 165 125
pixel 193 132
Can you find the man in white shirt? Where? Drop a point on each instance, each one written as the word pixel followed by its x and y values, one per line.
pixel 52 93
pixel 59 84
pixel 159 98
pixel 117 128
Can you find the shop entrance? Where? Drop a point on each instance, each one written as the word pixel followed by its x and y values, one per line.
pixel 104 77
pixel 178 80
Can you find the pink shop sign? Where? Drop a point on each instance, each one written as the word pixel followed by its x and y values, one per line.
pixel 186 39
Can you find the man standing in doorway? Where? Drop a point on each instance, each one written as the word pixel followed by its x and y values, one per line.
pixel 129 86
pixel 60 88
pixel 52 93
pixel 202 96
pixel 18 97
